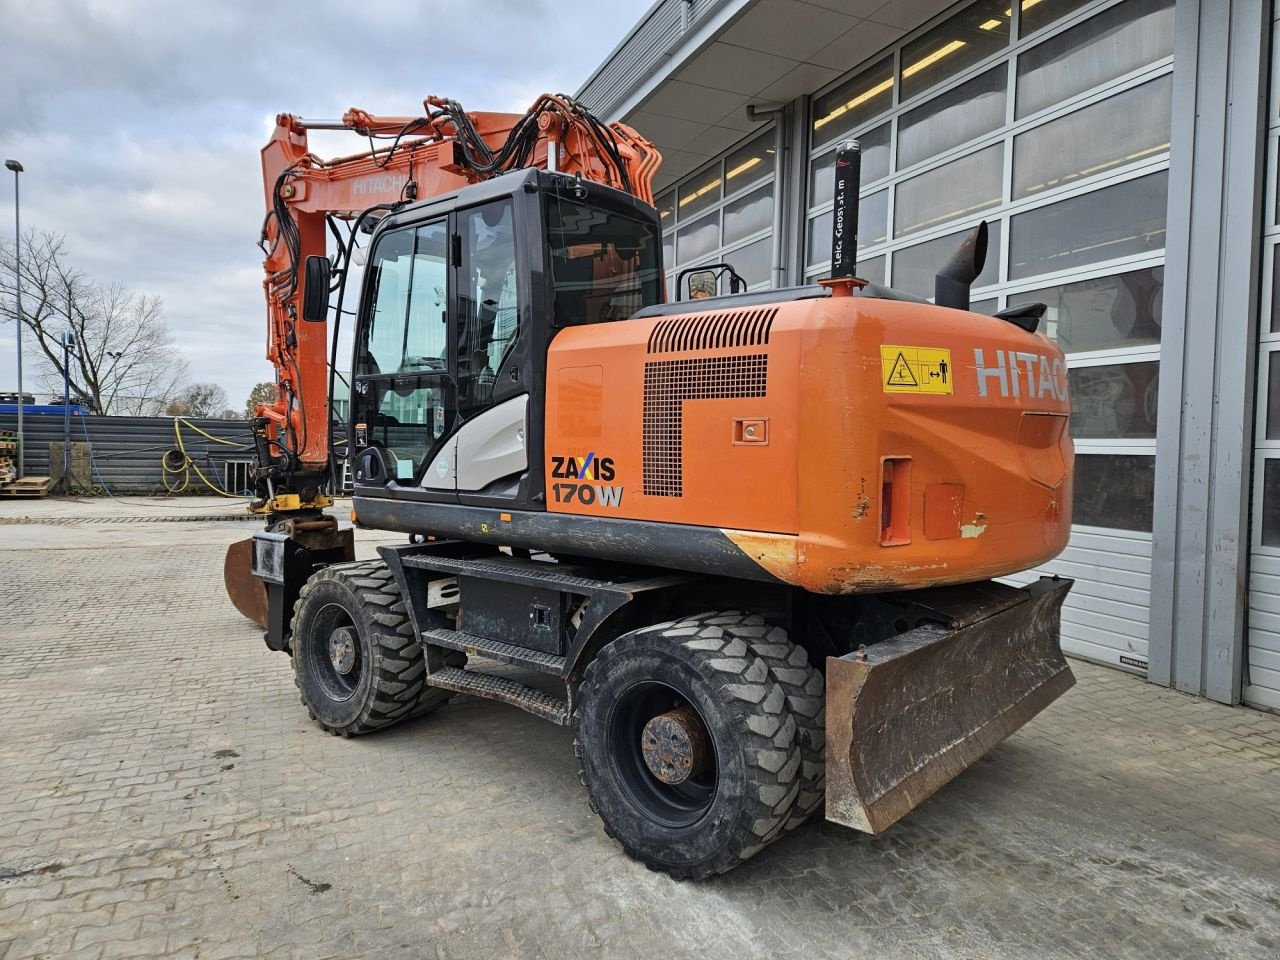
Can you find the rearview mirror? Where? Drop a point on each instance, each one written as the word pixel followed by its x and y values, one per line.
pixel 702 284
pixel 704 281
pixel 315 292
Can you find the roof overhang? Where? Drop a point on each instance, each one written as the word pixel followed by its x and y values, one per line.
pixel 686 73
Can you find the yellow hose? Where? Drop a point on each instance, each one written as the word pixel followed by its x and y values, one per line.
pixel 188 464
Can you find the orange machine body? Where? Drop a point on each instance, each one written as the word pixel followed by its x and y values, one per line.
pixel 845 444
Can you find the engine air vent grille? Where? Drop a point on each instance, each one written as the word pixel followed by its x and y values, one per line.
pixel 667 385
pixel 713 331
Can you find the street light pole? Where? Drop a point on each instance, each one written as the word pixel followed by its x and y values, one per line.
pixel 68 342
pixel 16 167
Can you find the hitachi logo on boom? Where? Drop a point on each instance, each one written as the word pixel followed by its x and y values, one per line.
pixel 1030 375
pixel 378 183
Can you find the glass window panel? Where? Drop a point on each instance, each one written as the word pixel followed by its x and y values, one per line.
pixel 1114 402
pixel 1041 13
pixel 952 118
pixel 752 262
pixel 699 193
pixel 1125 128
pixel 668 251
pixel 853 103
pixel 818 244
pixel 1115 42
pixel 1273 395
pixel 1271 503
pixel 1275 289
pixel 989 307
pixel 871 271
pixel 1114 490
pixel 749 164
pixel 748 214
pixel 914 267
pixel 972 34
pixel 405 338
pixel 383 349
pixel 875 164
pixel 1106 313
pixel 697 239
pixel 955 190
pixel 487 301
pixel 1116 221
pixel 873 218
pixel 666 204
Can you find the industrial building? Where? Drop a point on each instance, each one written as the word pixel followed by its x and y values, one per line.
pixel 1124 155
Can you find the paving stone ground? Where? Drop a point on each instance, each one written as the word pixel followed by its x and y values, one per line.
pixel 162 794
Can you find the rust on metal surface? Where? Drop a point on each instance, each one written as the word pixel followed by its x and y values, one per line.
pixel 247 592
pixel 342 650
pixel 675 745
pixel 907 715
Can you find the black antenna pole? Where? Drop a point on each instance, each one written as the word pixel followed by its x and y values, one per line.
pixel 844 224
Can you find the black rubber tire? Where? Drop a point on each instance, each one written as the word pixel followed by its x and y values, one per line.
pixel 805 689
pixel 390 662
pixel 757 757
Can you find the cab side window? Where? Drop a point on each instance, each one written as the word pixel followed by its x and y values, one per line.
pixel 406 331
pixel 488 300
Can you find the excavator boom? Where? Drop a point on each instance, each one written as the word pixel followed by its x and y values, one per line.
pixel 408 158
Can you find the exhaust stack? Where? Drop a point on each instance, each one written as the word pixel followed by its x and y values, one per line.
pixel 951 284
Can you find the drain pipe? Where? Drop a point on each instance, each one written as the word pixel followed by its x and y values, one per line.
pixel 778 272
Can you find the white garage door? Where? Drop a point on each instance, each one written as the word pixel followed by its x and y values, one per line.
pixel 1262 660
pixel 1107 614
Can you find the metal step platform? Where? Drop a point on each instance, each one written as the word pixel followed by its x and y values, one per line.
pixel 503 689
pixel 496 650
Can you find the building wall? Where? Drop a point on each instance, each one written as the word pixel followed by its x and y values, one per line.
pixel 1200 547
pixel 725 212
pixel 1050 120
pixel 1262 651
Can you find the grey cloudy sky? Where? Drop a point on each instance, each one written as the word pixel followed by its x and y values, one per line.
pixel 139 123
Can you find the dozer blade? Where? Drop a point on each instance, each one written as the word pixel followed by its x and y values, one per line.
pixel 907 715
pixel 247 592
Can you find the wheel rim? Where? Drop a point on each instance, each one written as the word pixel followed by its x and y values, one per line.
pixel 335 652
pixel 635 756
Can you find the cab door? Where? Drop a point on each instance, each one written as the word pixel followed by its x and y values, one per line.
pixel 489 453
pixel 403 405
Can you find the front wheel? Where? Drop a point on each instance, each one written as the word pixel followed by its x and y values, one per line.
pixel 356 661
pixel 686 746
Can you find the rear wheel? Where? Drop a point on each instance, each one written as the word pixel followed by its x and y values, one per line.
pixel 805 690
pixel 356 661
pixel 686 746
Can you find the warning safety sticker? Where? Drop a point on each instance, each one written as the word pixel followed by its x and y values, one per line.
pixel 915 369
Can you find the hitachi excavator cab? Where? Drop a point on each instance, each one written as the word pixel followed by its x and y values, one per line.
pixel 461 300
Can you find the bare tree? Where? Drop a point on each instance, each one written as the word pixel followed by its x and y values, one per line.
pixel 198 400
pixel 125 361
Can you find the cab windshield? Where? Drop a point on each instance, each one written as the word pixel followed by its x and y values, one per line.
pixel 604 266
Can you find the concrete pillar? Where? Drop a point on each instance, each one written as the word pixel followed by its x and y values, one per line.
pixel 1204 445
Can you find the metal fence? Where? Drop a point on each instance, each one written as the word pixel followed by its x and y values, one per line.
pixel 128 452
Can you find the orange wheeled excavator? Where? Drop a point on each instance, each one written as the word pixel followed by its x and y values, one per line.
pixel 743 545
